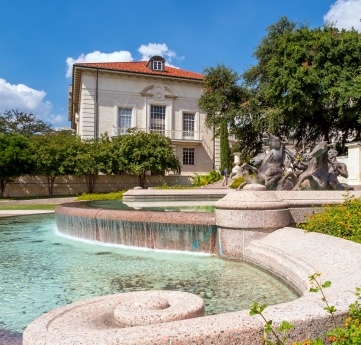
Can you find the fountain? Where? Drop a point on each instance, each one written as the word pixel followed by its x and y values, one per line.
pixel 253 225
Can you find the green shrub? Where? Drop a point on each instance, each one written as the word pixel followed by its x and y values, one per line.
pixel 237 181
pixel 342 220
pixel 177 186
pixel 102 196
pixel 203 180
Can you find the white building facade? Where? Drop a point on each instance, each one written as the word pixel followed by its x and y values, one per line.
pixel 114 97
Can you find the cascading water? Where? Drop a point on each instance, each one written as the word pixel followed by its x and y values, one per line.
pixel 161 234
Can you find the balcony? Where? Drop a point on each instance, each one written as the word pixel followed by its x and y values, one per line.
pixel 176 136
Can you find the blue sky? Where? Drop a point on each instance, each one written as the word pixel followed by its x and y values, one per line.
pixel 40 39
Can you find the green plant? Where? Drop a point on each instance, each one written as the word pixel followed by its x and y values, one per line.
pixel 101 196
pixel 177 186
pixel 236 182
pixel 342 220
pixel 350 332
pixel 203 180
pixel 280 333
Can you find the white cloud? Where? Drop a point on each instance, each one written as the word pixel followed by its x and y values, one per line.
pixel 97 56
pixel 152 49
pixel 23 98
pixel 345 14
pixel 147 51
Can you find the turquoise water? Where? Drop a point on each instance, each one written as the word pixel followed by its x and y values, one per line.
pixel 156 206
pixel 41 270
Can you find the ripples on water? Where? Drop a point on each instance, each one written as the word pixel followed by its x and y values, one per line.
pixel 40 271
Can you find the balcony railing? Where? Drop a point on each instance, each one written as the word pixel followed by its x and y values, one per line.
pixel 172 134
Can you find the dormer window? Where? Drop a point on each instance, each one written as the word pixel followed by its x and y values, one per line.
pixel 156 63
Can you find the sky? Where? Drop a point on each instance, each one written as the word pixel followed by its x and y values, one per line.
pixel 41 39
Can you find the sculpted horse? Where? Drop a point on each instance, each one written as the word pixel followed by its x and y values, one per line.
pixel 315 175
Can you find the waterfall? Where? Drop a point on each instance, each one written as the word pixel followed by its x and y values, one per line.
pixel 183 237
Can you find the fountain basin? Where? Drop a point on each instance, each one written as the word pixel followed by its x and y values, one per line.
pixel 286 252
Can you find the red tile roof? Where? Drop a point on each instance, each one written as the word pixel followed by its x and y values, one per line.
pixel 141 68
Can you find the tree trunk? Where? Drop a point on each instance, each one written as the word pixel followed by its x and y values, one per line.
pixel 91 180
pixel 142 180
pixel 50 180
pixel 3 183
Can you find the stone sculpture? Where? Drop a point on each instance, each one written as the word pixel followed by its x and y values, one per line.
pixel 282 169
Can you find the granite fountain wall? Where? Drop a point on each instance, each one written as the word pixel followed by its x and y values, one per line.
pixel 247 230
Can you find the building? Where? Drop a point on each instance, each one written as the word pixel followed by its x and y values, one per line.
pixel 115 96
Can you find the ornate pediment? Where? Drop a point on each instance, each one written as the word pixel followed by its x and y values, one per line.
pixel 158 92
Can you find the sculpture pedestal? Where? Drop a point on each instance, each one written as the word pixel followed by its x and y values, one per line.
pixel 249 214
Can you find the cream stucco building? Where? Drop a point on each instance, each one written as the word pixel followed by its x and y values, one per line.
pixel 113 97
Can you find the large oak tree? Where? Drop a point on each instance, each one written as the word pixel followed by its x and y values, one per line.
pixel 307 82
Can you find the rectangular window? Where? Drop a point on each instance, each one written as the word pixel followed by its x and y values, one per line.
pixel 188 156
pixel 157 119
pixel 188 126
pixel 124 120
pixel 158 65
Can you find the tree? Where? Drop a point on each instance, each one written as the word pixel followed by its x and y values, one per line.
pixel 14 158
pixel 139 152
pixel 220 100
pixel 16 121
pixel 91 157
pixel 51 155
pixel 308 82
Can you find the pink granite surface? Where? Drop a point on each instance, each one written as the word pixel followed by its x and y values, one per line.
pixel 287 252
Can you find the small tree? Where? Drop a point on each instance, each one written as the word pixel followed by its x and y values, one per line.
pixel 91 157
pixel 139 152
pixel 51 154
pixel 19 122
pixel 14 158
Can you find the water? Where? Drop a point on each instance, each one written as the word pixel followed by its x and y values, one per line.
pixel 156 206
pixel 41 270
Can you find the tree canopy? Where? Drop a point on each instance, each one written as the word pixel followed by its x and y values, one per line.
pixel 19 122
pixel 14 158
pixel 220 100
pixel 139 152
pixel 52 154
pixel 307 82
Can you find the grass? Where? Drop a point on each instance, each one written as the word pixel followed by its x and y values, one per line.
pixel 15 207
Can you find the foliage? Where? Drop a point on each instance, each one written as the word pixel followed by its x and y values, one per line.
pixel 341 220
pixel 16 121
pixel 51 154
pixel 14 158
pixel 91 157
pixel 307 82
pixel 139 152
pixel 350 333
pixel 280 333
pixel 237 181
pixel 220 99
pixel 203 180
pixel 224 144
pixel 166 186
pixel 102 196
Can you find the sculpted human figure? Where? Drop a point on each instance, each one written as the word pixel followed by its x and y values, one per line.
pixel 335 169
